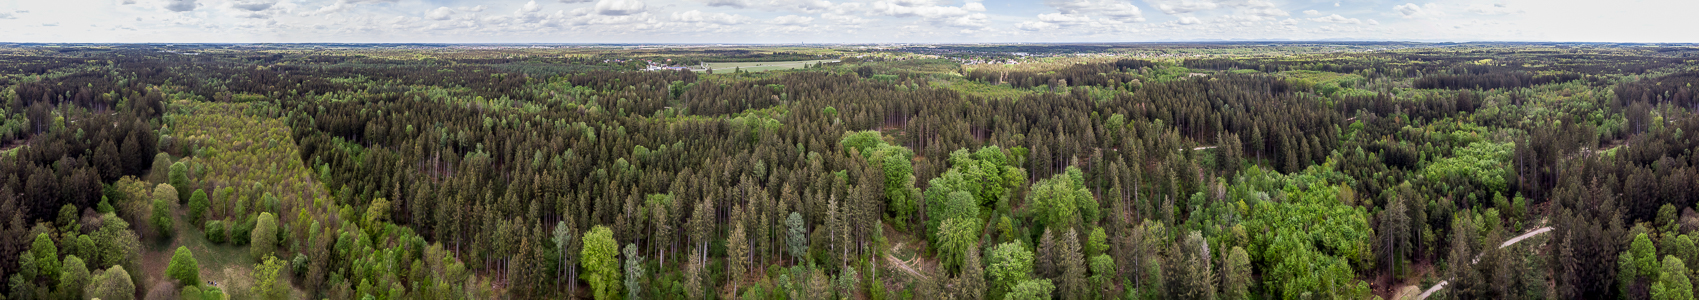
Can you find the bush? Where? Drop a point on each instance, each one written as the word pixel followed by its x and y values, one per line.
pixel 215 231
pixel 190 293
pixel 241 232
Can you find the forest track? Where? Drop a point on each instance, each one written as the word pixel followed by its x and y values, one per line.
pixel 1507 243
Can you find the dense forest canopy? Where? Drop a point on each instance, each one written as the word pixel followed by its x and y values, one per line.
pixel 1102 171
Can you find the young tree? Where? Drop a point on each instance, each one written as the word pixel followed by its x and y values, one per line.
pixel 264 237
pixel 693 277
pixel 1011 264
pixel 955 237
pixel 1236 274
pixel 183 268
pixel 179 176
pixel 971 283
pixel 46 257
pixel 796 237
pixel 737 254
pixel 164 208
pixel 601 269
pixel 565 243
pixel 111 284
pixel 198 205
pixel 633 273
pixel 268 282
pixel 1032 289
pixel 1672 281
pixel 1072 265
pixel 73 277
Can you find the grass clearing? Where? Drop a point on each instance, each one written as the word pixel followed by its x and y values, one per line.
pixel 762 66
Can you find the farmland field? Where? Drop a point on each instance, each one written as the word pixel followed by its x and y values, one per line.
pixel 762 66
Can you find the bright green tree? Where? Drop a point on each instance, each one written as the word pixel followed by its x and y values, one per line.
pixel 1645 256
pixel 601 268
pixel 1672 283
pixel 179 174
pixel 183 268
pixel 1063 200
pixel 264 237
pixel 1011 264
pixel 190 293
pixel 198 205
pixel 164 210
pixel 1032 289
pixel 268 280
pixel 73 277
pixel 111 284
pixel 46 256
pixel 955 237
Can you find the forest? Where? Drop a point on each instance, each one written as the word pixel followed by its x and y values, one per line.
pixel 1032 171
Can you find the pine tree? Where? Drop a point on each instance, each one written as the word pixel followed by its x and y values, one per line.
pixel 1072 265
pixel 737 250
pixel 1236 275
pixel 971 283
pixel 796 237
pixel 634 273
pixel 1045 260
pixel 693 280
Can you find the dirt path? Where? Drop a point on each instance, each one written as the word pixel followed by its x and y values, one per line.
pixel 1507 243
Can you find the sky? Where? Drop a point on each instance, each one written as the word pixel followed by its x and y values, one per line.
pixel 842 21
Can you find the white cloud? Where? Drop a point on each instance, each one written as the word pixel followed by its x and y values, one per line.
pixel 1189 20
pixel 1182 6
pixel 1037 26
pixel 252 5
pixel 50 24
pixel 1312 12
pixel 1408 9
pixel 1063 18
pixel 7 15
pixel 697 16
pixel 794 20
pixel 531 7
pixel 569 1
pixel 1116 10
pixel 974 6
pixel 1372 22
pixel 845 19
pixel 1494 9
pixel 619 7
pixel 930 11
pixel 729 3
pixel 180 5
pixel 441 13
pixel 1336 18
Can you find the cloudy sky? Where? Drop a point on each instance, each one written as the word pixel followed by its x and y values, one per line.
pixel 843 21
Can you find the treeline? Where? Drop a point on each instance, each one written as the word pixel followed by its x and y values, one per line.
pixel 1488 81
pixel 1090 74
